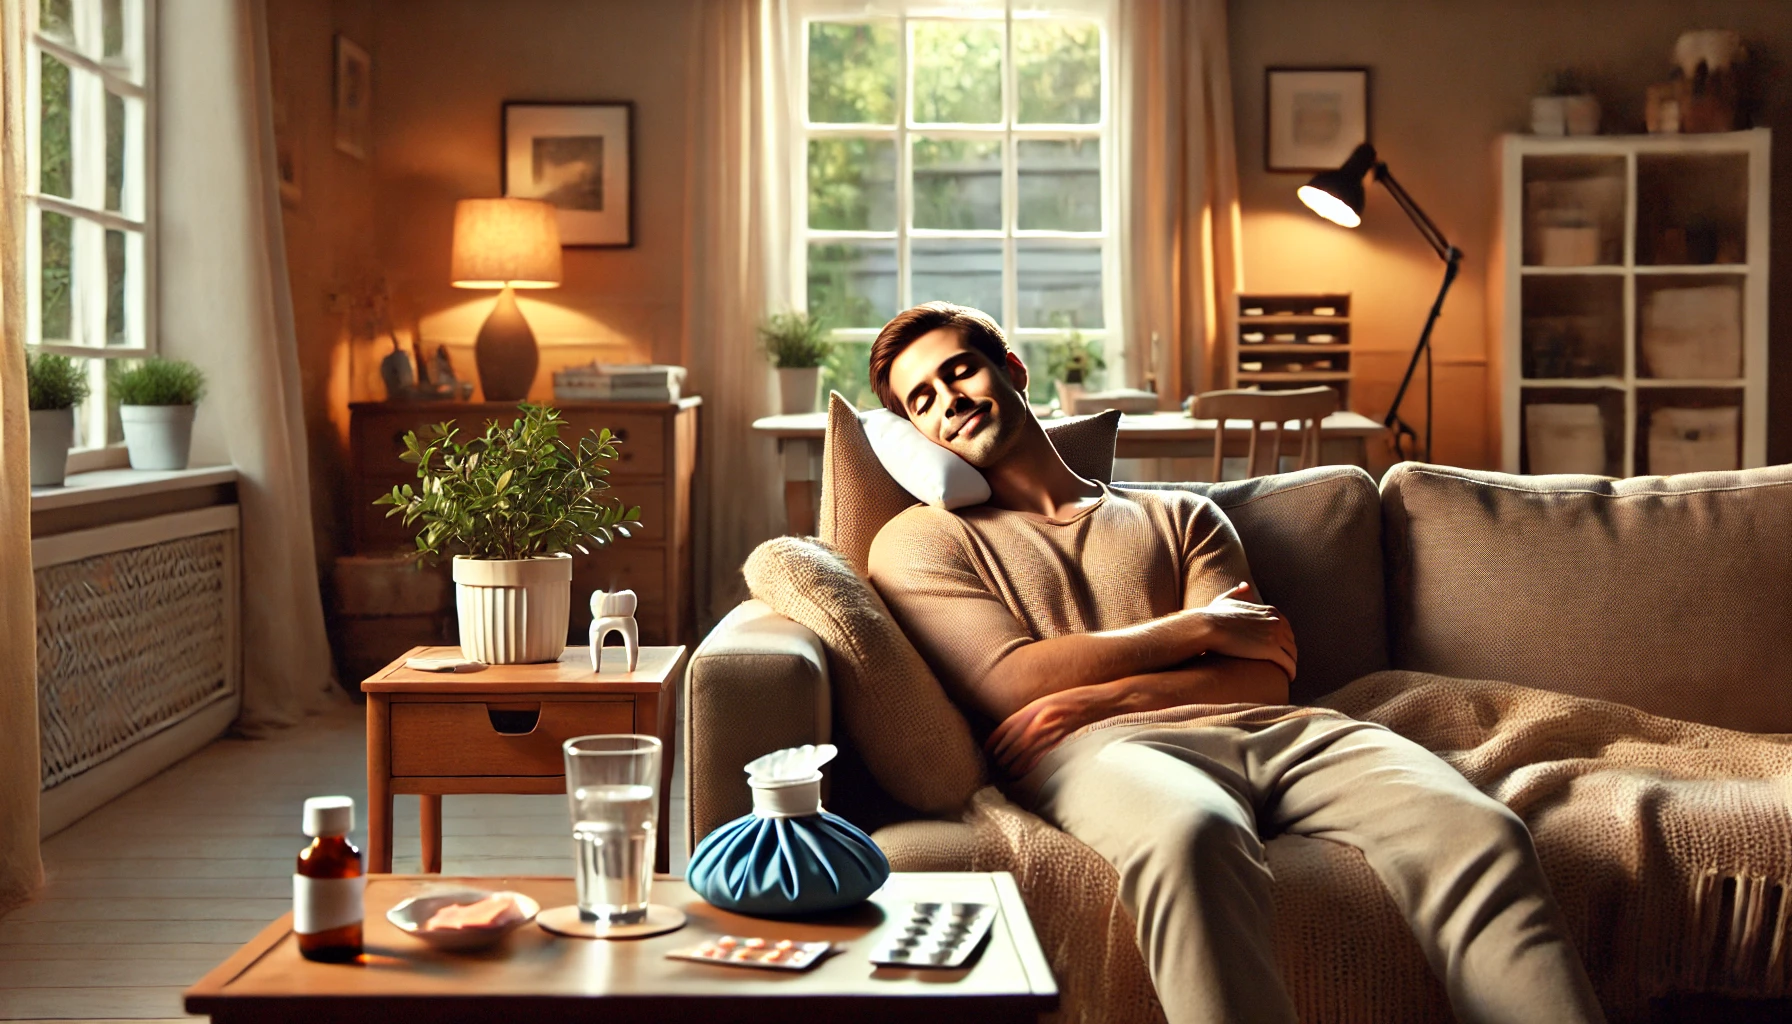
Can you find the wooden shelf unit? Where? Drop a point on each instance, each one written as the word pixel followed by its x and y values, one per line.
pixel 1281 338
pixel 1593 230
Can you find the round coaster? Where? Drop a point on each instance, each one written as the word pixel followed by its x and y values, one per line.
pixel 566 921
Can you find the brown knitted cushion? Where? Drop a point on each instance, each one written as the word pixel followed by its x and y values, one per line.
pixel 1669 594
pixel 858 496
pixel 911 737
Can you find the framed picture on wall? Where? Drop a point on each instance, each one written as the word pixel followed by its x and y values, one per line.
pixel 580 157
pixel 354 98
pixel 1313 117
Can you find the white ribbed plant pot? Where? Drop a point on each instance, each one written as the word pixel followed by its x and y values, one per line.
pixel 157 436
pixel 52 432
pixel 513 612
pixel 796 388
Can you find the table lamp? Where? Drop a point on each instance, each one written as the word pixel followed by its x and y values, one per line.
pixel 1338 196
pixel 508 244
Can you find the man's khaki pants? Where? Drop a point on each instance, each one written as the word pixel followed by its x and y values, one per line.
pixel 1178 811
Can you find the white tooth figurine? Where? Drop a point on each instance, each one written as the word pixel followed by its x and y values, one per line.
pixel 614 611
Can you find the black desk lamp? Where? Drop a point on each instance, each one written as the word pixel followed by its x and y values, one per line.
pixel 1338 197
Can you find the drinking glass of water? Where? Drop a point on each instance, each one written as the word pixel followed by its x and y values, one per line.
pixel 613 785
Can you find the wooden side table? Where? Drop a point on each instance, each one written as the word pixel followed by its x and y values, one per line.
pixel 498 729
pixel 541 978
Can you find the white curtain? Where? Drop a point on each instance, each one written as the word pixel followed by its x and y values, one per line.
pixel 738 258
pixel 1178 177
pixel 21 871
pixel 224 303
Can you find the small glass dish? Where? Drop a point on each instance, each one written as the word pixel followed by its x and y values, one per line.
pixel 410 915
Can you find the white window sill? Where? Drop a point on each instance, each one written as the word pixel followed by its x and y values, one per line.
pixel 114 484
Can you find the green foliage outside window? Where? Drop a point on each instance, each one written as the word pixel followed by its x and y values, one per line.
pixel 852 72
pixel 1057 71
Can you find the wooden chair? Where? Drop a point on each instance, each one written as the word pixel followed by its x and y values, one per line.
pixel 1306 406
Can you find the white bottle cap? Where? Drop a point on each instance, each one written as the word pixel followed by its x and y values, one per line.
pixel 329 816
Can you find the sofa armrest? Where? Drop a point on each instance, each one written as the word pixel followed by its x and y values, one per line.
pixel 757 683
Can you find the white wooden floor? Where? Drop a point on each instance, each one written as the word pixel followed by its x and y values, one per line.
pixel 154 889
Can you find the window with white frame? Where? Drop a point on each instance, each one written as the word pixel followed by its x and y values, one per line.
pixel 89 208
pixel 958 153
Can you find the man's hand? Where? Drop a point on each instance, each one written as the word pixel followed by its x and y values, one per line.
pixel 1026 736
pixel 1241 629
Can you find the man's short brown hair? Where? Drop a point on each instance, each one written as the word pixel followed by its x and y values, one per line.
pixel 974 326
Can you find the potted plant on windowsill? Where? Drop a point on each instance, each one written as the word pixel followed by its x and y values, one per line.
pixel 54 385
pixel 511 505
pixel 798 345
pixel 156 400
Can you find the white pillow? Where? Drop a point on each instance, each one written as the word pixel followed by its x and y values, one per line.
pixel 924 469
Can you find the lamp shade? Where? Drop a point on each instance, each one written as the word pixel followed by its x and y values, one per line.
pixel 1338 195
pixel 501 243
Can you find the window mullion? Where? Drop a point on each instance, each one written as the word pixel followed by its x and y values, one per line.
pixel 88 121
pixel 904 162
pixel 1010 177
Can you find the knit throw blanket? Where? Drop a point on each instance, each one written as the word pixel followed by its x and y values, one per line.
pixel 1667 844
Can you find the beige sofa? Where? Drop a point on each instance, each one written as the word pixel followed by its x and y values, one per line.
pixel 1669 595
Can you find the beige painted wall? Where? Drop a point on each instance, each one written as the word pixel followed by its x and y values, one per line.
pixel 1448 76
pixel 443 68
pixel 329 238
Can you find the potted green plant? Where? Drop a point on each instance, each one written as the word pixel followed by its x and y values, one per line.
pixel 798 346
pixel 1071 362
pixel 155 406
pixel 511 505
pixel 54 385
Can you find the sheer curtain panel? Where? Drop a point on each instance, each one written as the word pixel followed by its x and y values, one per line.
pixel 738 254
pixel 1179 220
pixel 226 305
pixel 21 872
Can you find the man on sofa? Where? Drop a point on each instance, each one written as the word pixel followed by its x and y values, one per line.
pixel 1139 696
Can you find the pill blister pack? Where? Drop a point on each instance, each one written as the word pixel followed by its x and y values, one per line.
pixel 752 951
pixel 935 935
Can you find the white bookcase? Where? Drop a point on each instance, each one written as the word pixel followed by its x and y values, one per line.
pixel 1629 292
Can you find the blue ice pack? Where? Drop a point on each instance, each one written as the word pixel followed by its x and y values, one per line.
pixel 789 856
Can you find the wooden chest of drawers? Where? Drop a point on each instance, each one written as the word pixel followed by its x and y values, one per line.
pixel 656 458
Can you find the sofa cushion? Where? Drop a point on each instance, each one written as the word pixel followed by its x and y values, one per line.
pixel 1313 539
pixel 858 495
pixel 1670 594
pixel 914 741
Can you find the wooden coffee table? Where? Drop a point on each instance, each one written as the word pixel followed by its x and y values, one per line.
pixel 498 729
pixel 542 978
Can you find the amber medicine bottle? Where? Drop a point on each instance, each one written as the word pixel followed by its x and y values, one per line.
pixel 328 886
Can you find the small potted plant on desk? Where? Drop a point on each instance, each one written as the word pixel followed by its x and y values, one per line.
pixel 156 399
pixel 54 385
pixel 511 505
pixel 797 344
pixel 1071 362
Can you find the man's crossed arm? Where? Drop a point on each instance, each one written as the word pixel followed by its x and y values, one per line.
pixel 1228 652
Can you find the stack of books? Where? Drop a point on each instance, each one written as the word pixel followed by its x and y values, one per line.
pixel 619 382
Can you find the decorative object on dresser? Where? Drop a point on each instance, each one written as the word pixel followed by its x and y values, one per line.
pixel 54 385
pixel 1338 197
pixel 580 158
pixel 1313 118
pixel 615 613
pixel 1640 347
pixel 653 470
pixel 511 505
pixel 1568 108
pixel 797 345
pixel 507 244
pixel 499 729
pixel 156 405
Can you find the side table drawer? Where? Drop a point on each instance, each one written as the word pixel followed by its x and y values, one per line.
pixel 464 738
